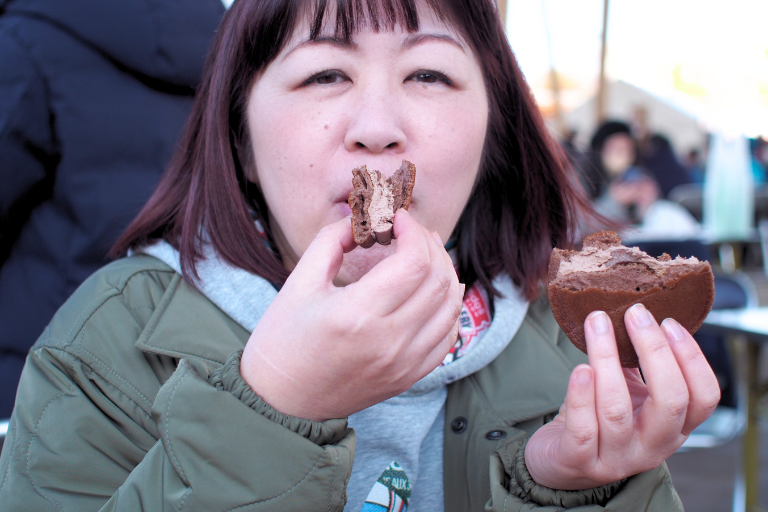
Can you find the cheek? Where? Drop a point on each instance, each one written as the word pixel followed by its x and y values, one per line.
pixel 285 143
pixel 456 132
pixel 454 146
pixel 289 145
pixel 291 142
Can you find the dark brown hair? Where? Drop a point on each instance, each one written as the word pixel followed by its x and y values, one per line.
pixel 524 201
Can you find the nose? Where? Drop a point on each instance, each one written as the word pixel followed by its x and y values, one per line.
pixel 376 125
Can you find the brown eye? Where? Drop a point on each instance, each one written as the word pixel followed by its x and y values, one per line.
pixel 430 77
pixel 426 78
pixel 326 78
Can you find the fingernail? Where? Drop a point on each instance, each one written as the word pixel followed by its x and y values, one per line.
pixel 673 329
pixel 639 315
pixel 599 321
pixel 582 375
pixel 437 238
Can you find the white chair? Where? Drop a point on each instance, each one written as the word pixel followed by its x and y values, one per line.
pixel 690 196
pixel 726 423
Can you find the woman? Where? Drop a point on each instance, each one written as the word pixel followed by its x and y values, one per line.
pixel 630 195
pixel 214 391
pixel 621 190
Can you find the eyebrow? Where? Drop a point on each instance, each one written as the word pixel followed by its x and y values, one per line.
pixel 410 41
pixel 416 39
pixel 332 40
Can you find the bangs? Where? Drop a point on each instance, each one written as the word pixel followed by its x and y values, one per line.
pixel 264 27
pixel 524 203
pixel 348 17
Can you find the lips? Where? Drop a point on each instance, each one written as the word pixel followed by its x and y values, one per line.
pixel 344 209
pixel 344 196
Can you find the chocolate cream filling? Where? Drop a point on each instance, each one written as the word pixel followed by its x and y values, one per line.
pixel 606 264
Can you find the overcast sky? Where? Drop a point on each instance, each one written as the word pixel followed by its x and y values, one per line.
pixel 714 51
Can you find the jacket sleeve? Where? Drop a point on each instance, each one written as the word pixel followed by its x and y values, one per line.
pixel 208 444
pixel 27 147
pixel 513 489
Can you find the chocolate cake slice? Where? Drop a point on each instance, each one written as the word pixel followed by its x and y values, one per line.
pixel 375 199
pixel 610 277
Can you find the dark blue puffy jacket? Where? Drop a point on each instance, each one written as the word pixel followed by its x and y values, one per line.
pixel 93 96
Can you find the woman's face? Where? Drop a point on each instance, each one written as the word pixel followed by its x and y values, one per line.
pixel 323 107
pixel 618 154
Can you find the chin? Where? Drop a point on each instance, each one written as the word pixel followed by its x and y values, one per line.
pixel 358 262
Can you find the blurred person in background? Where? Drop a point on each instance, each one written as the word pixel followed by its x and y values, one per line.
pixel 621 190
pixel 694 166
pixel 659 159
pixel 626 193
pixel 93 96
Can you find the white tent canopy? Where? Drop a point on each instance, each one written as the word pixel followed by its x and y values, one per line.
pixel 623 101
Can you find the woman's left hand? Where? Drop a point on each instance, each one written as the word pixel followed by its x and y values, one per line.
pixel 612 424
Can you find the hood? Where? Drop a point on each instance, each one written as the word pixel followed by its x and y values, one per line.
pixel 166 40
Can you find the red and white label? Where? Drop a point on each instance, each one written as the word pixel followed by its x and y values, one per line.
pixel 475 318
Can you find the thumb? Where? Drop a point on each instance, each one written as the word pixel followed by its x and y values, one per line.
pixel 322 260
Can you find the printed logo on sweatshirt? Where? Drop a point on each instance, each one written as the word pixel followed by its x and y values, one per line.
pixel 475 318
pixel 391 491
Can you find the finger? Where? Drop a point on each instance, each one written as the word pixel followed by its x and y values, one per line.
pixel 580 438
pixel 396 277
pixel 433 308
pixel 322 260
pixel 663 414
pixel 441 282
pixel 703 388
pixel 614 407
pixel 426 316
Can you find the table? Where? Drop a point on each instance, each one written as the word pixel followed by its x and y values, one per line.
pixel 751 325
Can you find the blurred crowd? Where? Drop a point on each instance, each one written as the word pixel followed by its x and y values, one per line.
pixel 632 177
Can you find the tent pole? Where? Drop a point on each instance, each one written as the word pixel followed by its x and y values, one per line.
pixel 553 77
pixel 502 5
pixel 602 87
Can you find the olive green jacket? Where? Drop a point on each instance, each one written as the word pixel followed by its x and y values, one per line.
pixel 132 400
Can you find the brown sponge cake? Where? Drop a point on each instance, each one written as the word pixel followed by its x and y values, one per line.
pixel 610 277
pixel 375 199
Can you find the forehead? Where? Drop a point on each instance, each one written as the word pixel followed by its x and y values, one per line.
pixel 619 140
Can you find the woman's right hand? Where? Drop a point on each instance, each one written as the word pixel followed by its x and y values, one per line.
pixel 322 351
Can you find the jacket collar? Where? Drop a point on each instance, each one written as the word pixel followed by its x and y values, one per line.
pixel 186 324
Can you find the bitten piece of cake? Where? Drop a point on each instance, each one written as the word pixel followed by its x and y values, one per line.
pixel 610 277
pixel 375 199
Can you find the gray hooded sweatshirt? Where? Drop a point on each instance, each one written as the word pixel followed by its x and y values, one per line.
pixel 400 440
